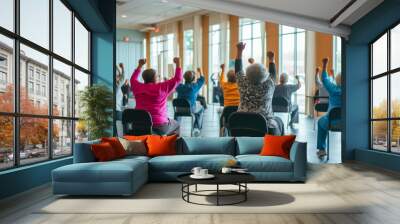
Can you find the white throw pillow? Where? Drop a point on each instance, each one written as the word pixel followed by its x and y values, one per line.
pixel 137 147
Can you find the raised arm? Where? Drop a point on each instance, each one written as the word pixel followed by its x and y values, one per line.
pixel 174 81
pixel 238 62
pixel 328 83
pixel 136 73
pixel 222 76
pixel 271 66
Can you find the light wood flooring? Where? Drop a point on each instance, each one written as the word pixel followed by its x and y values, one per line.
pixel 378 189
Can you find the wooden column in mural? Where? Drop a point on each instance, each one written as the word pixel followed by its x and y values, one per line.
pixel 205 29
pixel 233 35
pixel 148 49
pixel 272 32
pixel 180 40
pixel 323 48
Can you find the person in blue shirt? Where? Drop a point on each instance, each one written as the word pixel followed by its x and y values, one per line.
pixel 189 91
pixel 334 89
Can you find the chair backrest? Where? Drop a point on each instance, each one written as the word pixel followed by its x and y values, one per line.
pixel 321 107
pixel 280 104
pixel 228 110
pixel 181 107
pixel 335 114
pixel 247 124
pixel 136 122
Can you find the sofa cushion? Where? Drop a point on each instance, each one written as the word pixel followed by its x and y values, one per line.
pixel 257 163
pixel 113 171
pixel 185 163
pixel 83 152
pixel 103 152
pixel 161 145
pixel 249 145
pixel 277 145
pixel 201 146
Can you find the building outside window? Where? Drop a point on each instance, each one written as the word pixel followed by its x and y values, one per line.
pixel 54 132
pixel 292 59
pixel 384 92
pixel 188 50
pixel 251 33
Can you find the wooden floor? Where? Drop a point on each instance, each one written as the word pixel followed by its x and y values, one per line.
pixel 379 190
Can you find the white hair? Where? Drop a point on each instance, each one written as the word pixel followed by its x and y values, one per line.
pixel 256 73
pixel 285 77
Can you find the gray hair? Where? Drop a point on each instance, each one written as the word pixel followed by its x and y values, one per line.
pixel 284 77
pixel 256 73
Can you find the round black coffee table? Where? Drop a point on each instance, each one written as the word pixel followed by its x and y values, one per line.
pixel 238 179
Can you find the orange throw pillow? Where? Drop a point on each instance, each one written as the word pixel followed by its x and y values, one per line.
pixel 103 152
pixel 116 145
pixel 161 145
pixel 277 145
pixel 136 137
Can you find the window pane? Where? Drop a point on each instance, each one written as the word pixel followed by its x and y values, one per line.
pixel 301 52
pixel 62 138
pixel 287 29
pixel 81 81
pixel 81 131
pixel 395 138
pixel 256 30
pixel 6 142
pixel 395 47
pixel 6 74
pixel 62 29
pixel 379 55
pixel 379 135
pixel 246 32
pixel 188 50
pixel 395 95
pixel 35 21
pixel 257 50
pixel 379 98
pixel 7 14
pixel 33 139
pixel 81 45
pixel 288 54
pixel 62 89
pixel 34 97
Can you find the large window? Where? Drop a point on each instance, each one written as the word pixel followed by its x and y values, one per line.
pixel 188 49
pixel 385 95
pixel 214 49
pixel 251 33
pixel 162 53
pixel 337 54
pixel 44 64
pixel 292 59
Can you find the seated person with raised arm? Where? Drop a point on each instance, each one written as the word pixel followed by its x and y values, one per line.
pixel 152 96
pixel 229 88
pixel 322 93
pixel 201 98
pixel 333 86
pixel 286 90
pixel 256 88
pixel 189 91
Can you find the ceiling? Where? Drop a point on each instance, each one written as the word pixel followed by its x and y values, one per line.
pixel 141 13
pixel 316 15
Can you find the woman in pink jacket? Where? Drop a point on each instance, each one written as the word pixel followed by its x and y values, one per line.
pixel 152 96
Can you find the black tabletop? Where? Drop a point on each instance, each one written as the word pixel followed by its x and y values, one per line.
pixel 220 178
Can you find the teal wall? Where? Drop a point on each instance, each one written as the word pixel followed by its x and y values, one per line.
pixel 99 15
pixel 357 85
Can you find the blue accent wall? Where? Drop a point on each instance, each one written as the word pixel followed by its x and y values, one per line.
pixel 357 73
pixel 99 16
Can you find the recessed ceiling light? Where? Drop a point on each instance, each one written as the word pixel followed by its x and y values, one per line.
pixel 164 1
pixel 124 16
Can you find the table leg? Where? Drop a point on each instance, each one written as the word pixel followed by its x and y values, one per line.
pixel 196 187
pixel 245 193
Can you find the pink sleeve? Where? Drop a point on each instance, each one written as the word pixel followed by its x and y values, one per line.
pixel 172 83
pixel 135 76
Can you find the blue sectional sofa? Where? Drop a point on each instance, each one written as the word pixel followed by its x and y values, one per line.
pixel 125 176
